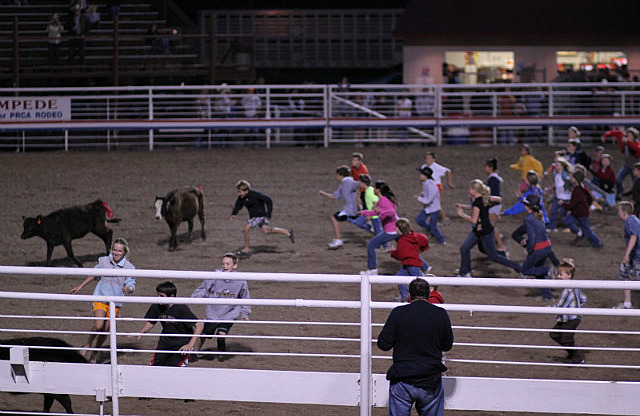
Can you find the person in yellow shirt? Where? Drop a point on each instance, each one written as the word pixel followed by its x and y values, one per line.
pixel 526 163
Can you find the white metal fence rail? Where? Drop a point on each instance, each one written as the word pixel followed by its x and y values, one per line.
pixel 319 115
pixel 361 387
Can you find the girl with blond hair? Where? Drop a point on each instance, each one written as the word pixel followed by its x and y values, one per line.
pixel 482 231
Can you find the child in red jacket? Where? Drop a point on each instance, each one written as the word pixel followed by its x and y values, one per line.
pixel 578 207
pixel 409 247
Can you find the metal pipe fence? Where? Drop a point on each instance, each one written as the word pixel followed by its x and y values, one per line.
pixel 347 340
pixel 313 115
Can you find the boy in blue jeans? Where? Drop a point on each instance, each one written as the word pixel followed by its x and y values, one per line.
pixel 630 266
pixel 579 205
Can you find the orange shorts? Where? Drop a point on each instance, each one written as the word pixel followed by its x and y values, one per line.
pixel 99 306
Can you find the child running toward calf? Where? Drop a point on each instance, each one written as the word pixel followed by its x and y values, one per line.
pixel 260 207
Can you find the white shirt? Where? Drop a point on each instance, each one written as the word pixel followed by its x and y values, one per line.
pixel 438 172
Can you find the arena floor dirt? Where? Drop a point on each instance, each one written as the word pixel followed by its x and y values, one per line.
pixel 38 183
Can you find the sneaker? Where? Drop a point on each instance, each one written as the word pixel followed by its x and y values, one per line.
pixel 578 238
pixel 399 299
pixel 243 254
pixel 566 230
pixel 335 244
pixel 370 272
pixel 621 305
pixel 428 270
pixel 462 275
pixel 291 236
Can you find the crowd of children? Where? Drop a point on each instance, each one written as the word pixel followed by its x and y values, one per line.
pixel 372 206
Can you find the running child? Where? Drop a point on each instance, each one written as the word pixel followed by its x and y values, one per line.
pixel 578 206
pixel 368 200
pixel 430 198
pixel 357 166
pixel 438 172
pixel 386 209
pixel 107 286
pixel 534 188
pixel 537 244
pixel 409 251
pixel 223 288
pixel 482 230
pixel 174 317
pixel 347 191
pixel 260 207
pixel 630 267
pixel 494 182
pixel 570 298
pixel 562 185
pixel 525 163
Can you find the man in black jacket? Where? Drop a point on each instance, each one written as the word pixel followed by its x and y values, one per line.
pixel 418 333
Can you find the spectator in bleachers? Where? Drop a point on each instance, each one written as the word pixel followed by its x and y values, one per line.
pixel 94 16
pixel 81 3
pixel 114 8
pixel 251 104
pixel 54 33
pixel 426 103
pixel 78 29
pixel 157 42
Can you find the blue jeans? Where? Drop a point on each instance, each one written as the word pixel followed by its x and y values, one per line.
pixel 622 173
pixel 402 396
pixel 557 213
pixel 583 222
pixel 534 266
pixel 489 244
pixel 361 222
pixel 432 225
pixel 373 244
pixel 410 271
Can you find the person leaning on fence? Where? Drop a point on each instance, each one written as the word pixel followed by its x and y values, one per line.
pixel 348 192
pixel 630 266
pixel 260 207
pixel 176 319
pixel 418 333
pixel 568 323
pixel 107 286
pixel 223 288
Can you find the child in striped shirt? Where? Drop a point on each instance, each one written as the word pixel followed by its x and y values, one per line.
pixel 570 298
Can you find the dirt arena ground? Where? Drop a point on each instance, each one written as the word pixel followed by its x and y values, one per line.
pixel 38 183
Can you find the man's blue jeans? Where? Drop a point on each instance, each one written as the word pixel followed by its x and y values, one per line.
pixel 402 396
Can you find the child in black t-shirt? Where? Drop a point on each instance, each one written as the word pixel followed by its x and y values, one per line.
pixel 172 316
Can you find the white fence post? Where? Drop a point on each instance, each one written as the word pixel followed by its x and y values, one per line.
pixel 365 345
pixel 326 111
pixel 150 118
pixel 113 350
